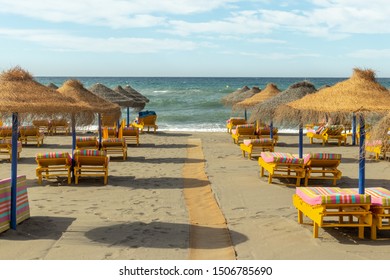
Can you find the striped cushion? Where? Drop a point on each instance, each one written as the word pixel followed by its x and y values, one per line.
pixel 259 142
pixel 130 128
pixel 90 153
pixel 9 141
pixel 335 130
pixel 113 140
pixel 52 155
pixel 305 157
pixel 330 195
pixel 379 196
pixel 249 125
pixel 280 158
pixel 373 143
pixel 232 119
pixel 325 156
pixel 86 138
pixel 266 131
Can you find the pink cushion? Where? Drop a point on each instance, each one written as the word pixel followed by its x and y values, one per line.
pixel 330 195
pixel 258 142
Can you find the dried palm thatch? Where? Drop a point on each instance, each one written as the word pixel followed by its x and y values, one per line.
pixel 266 110
pixel 380 131
pixel 20 93
pixel 111 95
pixel 226 100
pixel 360 94
pixel 53 86
pixel 138 105
pixel 136 93
pixel 92 103
pixel 268 92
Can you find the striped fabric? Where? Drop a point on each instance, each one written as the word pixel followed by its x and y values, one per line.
pixel 249 125
pixel 280 158
pixel 232 119
pixel 54 155
pixel 113 140
pixel 86 138
pixel 266 131
pixel 325 156
pixel 260 142
pixel 130 128
pixel 305 157
pixel 330 195
pixel 9 141
pixel 90 153
pixel 335 129
pixel 379 196
pixel 373 143
pixel 22 205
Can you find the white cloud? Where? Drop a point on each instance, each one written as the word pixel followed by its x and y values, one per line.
pixel 63 42
pixel 113 13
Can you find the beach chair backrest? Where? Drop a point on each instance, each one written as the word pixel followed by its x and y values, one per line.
pixel 148 120
pixel 53 158
pixel 91 157
pixel 324 160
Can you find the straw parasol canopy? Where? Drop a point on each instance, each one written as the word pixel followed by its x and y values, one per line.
pixel 111 95
pixel 267 109
pixel 381 130
pixel 74 89
pixel 20 93
pixel 136 93
pixel 360 94
pixel 268 92
pixel 226 100
pixel 53 86
pixel 139 103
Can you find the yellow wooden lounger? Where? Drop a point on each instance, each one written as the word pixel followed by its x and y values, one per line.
pixel 130 134
pixel 380 208
pixel 115 147
pixel 323 166
pixel 31 134
pixel 282 165
pixel 91 163
pixel 59 126
pixel 109 132
pixel 256 146
pixel 88 142
pixel 53 164
pixel 265 132
pixel 243 131
pixel 333 132
pixel 233 122
pixel 333 207
pixel 5 132
pixel 42 125
pixel 148 122
pixel 6 148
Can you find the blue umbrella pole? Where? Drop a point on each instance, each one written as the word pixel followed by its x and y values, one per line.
pixel 100 129
pixel 245 114
pixel 300 141
pixel 271 128
pixel 128 116
pixel 362 156
pixel 354 130
pixel 14 169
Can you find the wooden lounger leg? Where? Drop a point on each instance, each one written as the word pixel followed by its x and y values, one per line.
pixel 361 228
pixel 315 230
pixel 243 153
pixel 300 217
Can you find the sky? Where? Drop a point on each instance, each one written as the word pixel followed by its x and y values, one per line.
pixel 199 38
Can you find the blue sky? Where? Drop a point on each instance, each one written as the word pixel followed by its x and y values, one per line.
pixel 255 38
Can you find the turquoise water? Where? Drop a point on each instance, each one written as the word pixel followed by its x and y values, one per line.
pixel 191 104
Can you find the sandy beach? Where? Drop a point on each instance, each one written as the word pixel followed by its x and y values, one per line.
pixel 143 212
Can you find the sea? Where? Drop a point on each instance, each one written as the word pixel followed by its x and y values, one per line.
pixel 193 103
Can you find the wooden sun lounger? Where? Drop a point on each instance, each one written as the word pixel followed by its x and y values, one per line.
pixel 59 126
pixel 282 165
pixel 6 148
pixel 53 164
pixel 5 132
pixel 147 122
pixel 42 125
pixel 380 208
pixel 256 146
pixel 88 142
pixel 109 132
pixel 115 147
pixel 233 122
pixel 22 204
pixel 130 134
pixel 243 131
pixel 327 134
pixel 323 166
pixel 333 207
pixel 31 134
pixel 91 163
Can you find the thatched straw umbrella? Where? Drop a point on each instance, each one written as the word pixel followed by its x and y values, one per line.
pixel 226 100
pixel 361 94
pixel 380 131
pixel 240 95
pixel 268 92
pixel 139 103
pixel 20 94
pixel 267 109
pixel 132 91
pixel 112 96
pixel 75 90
